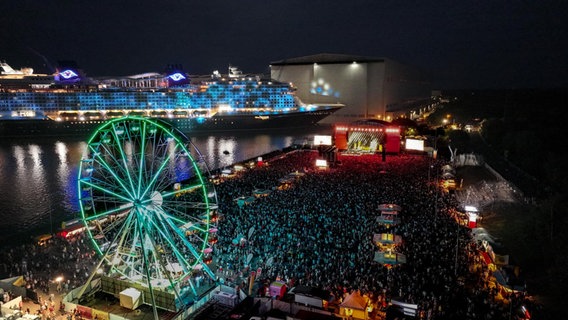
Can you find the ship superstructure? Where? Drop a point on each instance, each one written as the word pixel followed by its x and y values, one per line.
pixel 216 102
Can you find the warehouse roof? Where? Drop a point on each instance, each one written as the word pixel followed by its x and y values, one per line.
pixel 326 58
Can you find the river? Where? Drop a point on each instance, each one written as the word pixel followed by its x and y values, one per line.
pixel 38 177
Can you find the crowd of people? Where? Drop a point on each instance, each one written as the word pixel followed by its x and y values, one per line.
pixel 319 233
pixel 50 267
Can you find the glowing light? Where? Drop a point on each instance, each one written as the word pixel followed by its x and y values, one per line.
pixel 321 163
pixel 67 74
pixel 225 108
pixel 471 209
pixel 177 76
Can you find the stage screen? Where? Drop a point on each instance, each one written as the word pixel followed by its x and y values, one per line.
pixel 414 144
pixel 322 140
pixel 321 163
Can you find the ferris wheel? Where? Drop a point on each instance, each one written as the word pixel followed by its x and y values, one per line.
pixel 147 204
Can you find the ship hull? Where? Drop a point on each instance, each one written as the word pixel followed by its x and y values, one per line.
pixel 217 123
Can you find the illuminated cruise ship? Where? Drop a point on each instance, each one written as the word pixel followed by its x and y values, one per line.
pixel 67 102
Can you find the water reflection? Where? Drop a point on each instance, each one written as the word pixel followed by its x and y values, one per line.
pixel 42 175
pixel 63 167
pixel 226 151
pixel 20 156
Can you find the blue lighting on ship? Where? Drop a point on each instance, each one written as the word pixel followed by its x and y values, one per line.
pixel 68 74
pixel 177 76
pixel 236 94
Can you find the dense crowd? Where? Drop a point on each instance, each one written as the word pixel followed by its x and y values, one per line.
pixel 58 263
pixel 319 233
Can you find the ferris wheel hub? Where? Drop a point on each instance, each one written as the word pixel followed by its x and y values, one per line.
pixel 157 199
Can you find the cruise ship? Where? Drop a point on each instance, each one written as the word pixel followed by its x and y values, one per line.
pixel 69 103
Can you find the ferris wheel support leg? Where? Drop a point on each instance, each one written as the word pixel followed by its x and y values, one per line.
pixel 147 270
pixel 84 287
pixel 192 286
pixel 208 271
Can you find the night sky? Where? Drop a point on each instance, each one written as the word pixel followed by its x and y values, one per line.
pixel 459 44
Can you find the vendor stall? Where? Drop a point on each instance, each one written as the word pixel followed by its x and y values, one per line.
pixel 389 258
pixel 354 306
pixel 386 241
pixel 388 218
pixel 277 289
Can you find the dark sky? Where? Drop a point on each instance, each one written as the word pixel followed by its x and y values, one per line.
pixel 460 44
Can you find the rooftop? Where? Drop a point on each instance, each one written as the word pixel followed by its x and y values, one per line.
pixel 326 58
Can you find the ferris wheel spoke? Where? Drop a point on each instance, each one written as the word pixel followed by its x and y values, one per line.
pixel 122 231
pixel 156 175
pixel 111 229
pixel 106 232
pixel 188 244
pixel 181 191
pixel 188 205
pixel 181 213
pixel 142 158
pixel 123 157
pixel 108 212
pixel 108 184
pixel 192 227
pixel 110 192
pixel 161 227
pixel 125 249
pixel 108 150
pixel 119 180
pixel 148 250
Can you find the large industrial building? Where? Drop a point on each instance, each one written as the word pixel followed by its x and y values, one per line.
pixel 369 87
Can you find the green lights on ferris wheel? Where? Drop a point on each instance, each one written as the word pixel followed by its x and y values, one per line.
pixel 145 202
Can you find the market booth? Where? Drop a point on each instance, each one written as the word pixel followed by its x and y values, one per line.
pixel 310 296
pixel 389 214
pixel 386 241
pixel 277 289
pixel 354 306
pixel 389 258
pixel 448 176
pixel 258 193
pixel 472 215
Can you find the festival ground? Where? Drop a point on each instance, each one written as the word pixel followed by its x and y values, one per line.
pixel 318 232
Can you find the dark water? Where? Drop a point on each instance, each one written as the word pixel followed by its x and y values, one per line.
pixel 38 177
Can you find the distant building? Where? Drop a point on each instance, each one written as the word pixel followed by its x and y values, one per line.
pixel 369 87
